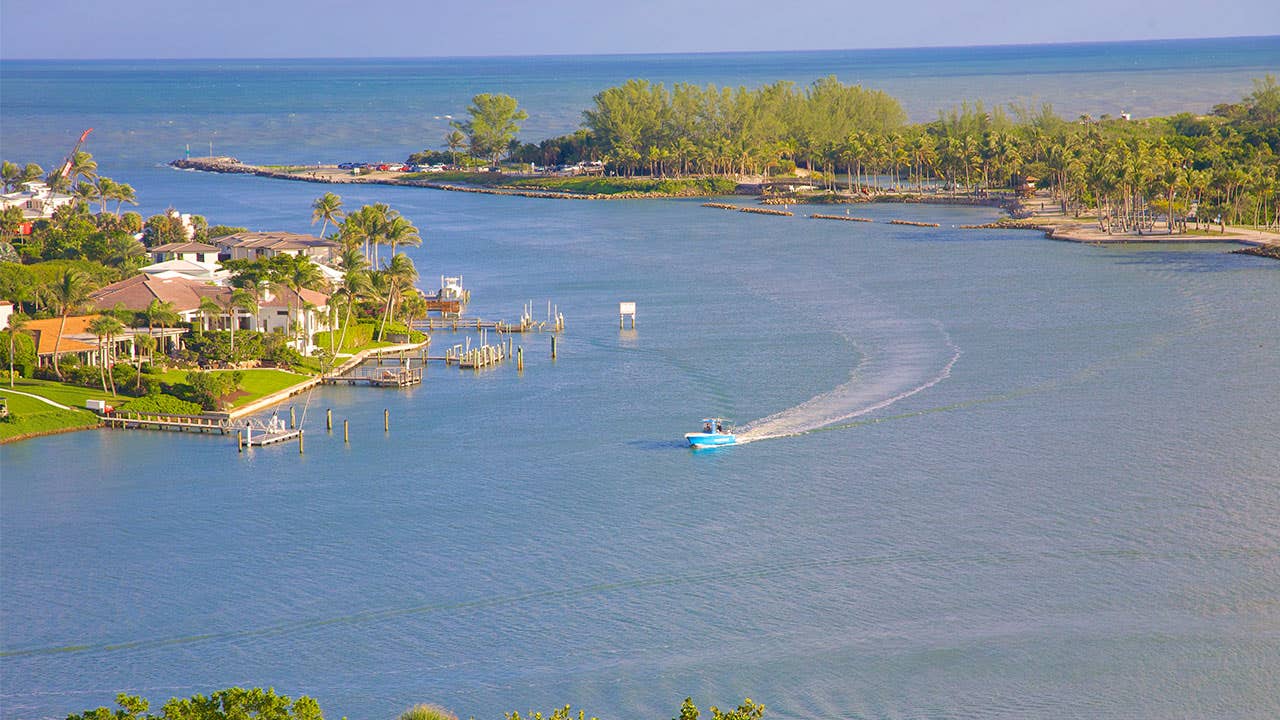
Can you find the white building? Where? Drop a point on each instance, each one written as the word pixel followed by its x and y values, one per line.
pixel 36 199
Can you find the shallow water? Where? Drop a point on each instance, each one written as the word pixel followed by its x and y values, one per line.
pixel 1069 508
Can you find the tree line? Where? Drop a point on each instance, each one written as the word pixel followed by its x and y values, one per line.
pixel 1222 165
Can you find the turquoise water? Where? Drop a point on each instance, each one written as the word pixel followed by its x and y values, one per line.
pixel 1018 478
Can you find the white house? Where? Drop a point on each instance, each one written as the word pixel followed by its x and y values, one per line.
pixel 36 199
pixel 191 251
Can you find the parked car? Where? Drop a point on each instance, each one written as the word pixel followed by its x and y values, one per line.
pixel 346 166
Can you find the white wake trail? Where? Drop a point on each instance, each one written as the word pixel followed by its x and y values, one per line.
pixel 900 357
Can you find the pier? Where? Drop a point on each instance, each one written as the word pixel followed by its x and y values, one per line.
pixel 176 423
pixel 377 376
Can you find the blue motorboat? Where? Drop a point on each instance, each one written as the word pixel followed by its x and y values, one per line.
pixel 716 432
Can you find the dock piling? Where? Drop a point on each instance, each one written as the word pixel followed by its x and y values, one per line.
pixel 300 441
pixel 386 420
pixel 239 441
pixel 293 420
pixel 553 347
pixel 520 359
pixel 328 419
pixel 346 436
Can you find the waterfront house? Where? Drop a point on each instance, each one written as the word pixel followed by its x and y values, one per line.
pixel 76 339
pixel 251 245
pixel 191 251
pixel 36 200
pixel 278 308
pixel 6 309
pixel 200 272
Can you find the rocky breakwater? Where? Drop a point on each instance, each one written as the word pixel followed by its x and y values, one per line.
pixel 216 164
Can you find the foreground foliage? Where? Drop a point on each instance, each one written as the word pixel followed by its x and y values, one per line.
pixel 230 704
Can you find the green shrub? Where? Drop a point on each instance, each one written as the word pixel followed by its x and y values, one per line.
pixel 357 334
pixel 161 405
pixel 208 388
pixel 427 712
pixel 24 353
pixel 216 346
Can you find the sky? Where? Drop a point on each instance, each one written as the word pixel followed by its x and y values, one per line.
pixel 80 29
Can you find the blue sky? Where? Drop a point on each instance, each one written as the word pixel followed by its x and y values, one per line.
pixel 417 28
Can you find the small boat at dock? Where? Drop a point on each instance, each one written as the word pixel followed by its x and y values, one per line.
pixel 716 432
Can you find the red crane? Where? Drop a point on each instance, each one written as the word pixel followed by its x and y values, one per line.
pixel 66 167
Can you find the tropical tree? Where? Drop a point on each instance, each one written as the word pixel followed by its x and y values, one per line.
pixel 455 141
pixel 105 328
pixel 17 322
pixel 123 193
pixel 9 174
pixel 399 275
pixel 326 209
pixel 296 274
pixel 494 121
pixel 67 294
pixel 142 345
pixel 208 308
pixel 355 283
pixel 11 220
pixel 159 313
pixel 400 231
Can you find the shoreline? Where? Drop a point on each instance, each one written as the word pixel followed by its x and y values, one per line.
pixel 255 406
pixel 1053 227
pixel 1087 232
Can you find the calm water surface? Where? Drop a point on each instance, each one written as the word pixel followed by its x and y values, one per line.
pixel 1030 480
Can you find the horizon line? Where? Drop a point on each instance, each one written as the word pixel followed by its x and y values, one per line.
pixel 641 54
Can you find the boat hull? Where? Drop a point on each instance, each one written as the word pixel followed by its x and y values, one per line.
pixel 700 440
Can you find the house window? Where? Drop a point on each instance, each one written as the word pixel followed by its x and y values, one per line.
pixel 282 312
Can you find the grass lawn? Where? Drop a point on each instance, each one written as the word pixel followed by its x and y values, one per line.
pixel 73 395
pixel 257 382
pixel 28 416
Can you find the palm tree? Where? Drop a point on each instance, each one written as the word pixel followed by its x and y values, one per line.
pixel 455 140
pixel 208 306
pixel 159 313
pixel 400 274
pixel 67 294
pixel 105 328
pixel 143 344
pixel 328 208
pixel 298 274
pixel 124 193
pixel 400 231
pixel 17 322
pixel 106 190
pixel 9 175
pixel 354 285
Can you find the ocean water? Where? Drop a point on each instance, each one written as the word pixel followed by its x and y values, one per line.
pixel 994 476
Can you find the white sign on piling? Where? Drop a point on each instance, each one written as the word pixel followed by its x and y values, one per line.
pixel 625 309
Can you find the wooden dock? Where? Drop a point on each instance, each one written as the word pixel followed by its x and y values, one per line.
pixel 175 423
pixel 475 358
pixel 456 324
pixel 377 376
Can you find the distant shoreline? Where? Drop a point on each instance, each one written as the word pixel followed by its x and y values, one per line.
pixel 1054 228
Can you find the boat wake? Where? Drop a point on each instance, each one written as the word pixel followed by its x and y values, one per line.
pixel 899 358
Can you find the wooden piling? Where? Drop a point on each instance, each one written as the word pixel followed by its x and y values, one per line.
pixel 300 441
pixel 239 441
pixel 293 421
pixel 553 347
pixel 328 419
pixel 386 420
pixel 520 359
pixel 346 435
